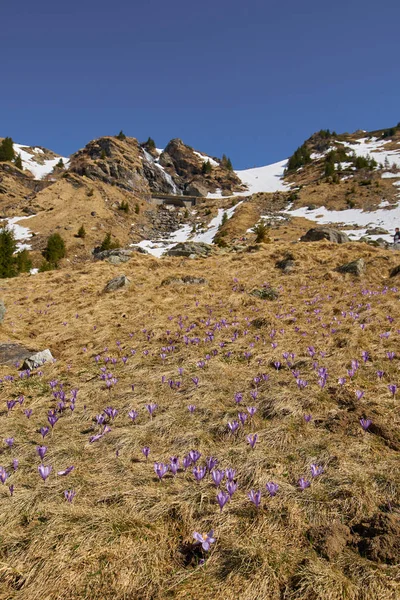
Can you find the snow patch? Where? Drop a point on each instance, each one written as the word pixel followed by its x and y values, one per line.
pixel 264 179
pixel 38 170
pixel 205 159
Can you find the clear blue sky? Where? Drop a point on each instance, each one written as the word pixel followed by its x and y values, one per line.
pixel 248 78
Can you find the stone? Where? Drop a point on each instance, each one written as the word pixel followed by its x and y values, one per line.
pixel 118 255
pixel 12 353
pixel 185 280
pixel 196 189
pixel 377 231
pixel 395 271
pixel 2 311
pixel 190 248
pixel 287 264
pixel 325 233
pixel 37 360
pixel 356 267
pixel 117 283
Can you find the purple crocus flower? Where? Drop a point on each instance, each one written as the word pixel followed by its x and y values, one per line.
pixel 11 404
pixel 252 440
pixel 191 408
pixel 251 410
pixel 132 414
pixel 52 419
pixel 160 469
pixel 66 471
pixel 146 452
pixel 233 426
pixel 365 423
pixel 272 488
pixel 28 413
pixel 217 476
pixel 199 473
pixel 44 472
pixel 307 418
pixel 392 389
pixel 316 470
pixel 238 397
pixel 211 462
pixel 11 489
pixel 44 431
pixel 41 450
pixel 231 488
pixel 242 417
pixel 187 461
pixel 222 499
pixel 3 475
pixel 342 380
pixel 194 456
pixel 359 394
pixel 15 464
pixel 195 381
pixel 9 442
pixel 205 539
pixel 255 498
pixel 303 483
pixel 174 465
pixel 69 495
pixel 380 374
pixel 151 408
pixel 230 474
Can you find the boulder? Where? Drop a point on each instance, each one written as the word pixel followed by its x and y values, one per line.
pixel 395 271
pixel 117 256
pixel 196 189
pixel 190 249
pixel 11 353
pixel 117 283
pixel 287 264
pixel 356 267
pixel 325 233
pixel 377 231
pixel 37 360
pixel 2 311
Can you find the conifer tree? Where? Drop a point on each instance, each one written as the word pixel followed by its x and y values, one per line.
pixel 206 169
pixel 55 249
pixel 121 135
pixel 7 150
pixel 18 162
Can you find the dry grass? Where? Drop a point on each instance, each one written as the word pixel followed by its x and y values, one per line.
pixel 122 536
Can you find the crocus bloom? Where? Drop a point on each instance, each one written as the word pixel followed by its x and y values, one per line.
pixel 359 394
pixel 307 418
pixel 44 431
pixel 217 476
pixel 151 408
pixel 41 450
pixel 52 419
pixel 174 465
pixel 251 410
pixel 392 389
pixel 69 495
pixel 15 464
pixel 199 473
pixel 252 440
pixel 303 483
pixel 187 461
pixel 205 539
pixel 233 426
pixel 28 413
pixel 316 470
pixel 3 475
pixel 230 474
pixel 132 414
pixel 146 451
pixel 272 488
pixel 231 488
pixel 191 408
pixel 66 471
pixel 242 417
pixel 222 499
pixel 365 423
pixel 255 497
pixel 211 462
pixel 9 442
pixel 194 455
pixel 44 472
pixel 160 469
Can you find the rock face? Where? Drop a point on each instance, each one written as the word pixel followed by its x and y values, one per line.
pixel 190 249
pixel 325 233
pixel 117 283
pixel 2 311
pixel 119 255
pixel 37 360
pixel 356 267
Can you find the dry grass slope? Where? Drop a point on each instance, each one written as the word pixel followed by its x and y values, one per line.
pixel 127 535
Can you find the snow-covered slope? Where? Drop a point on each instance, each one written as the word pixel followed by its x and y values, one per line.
pixel 33 161
pixel 374 148
pixel 264 179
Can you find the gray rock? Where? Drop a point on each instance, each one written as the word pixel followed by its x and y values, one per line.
pixel 117 283
pixel 117 260
pixel 190 248
pixel 395 271
pixel 2 311
pixel 325 233
pixel 196 189
pixel 37 360
pixel 185 280
pixel 377 231
pixel 356 267
pixel 287 265
pixel 395 247
pixel 118 253
pixel 11 353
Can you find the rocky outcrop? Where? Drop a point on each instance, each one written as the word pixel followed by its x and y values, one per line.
pixel 286 265
pixel 325 233
pixel 117 283
pixel 355 267
pixel 190 249
pixel 184 280
pixel 119 255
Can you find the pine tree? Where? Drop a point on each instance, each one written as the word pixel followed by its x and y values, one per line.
pixel 108 244
pixel 121 135
pixel 55 249
pixel 60 164
pixel 8 246
pixel 23 262
pixel 81 232
pixel 7 150
pixel 151 145
pixel 18 162
pixel 206 169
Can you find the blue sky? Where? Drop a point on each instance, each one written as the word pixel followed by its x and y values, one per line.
pixel 249 79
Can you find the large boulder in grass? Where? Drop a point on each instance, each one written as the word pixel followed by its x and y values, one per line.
pixel 190 249
pixel 117 283
pixel 395 271
pixel 325 233
pixel 355 267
